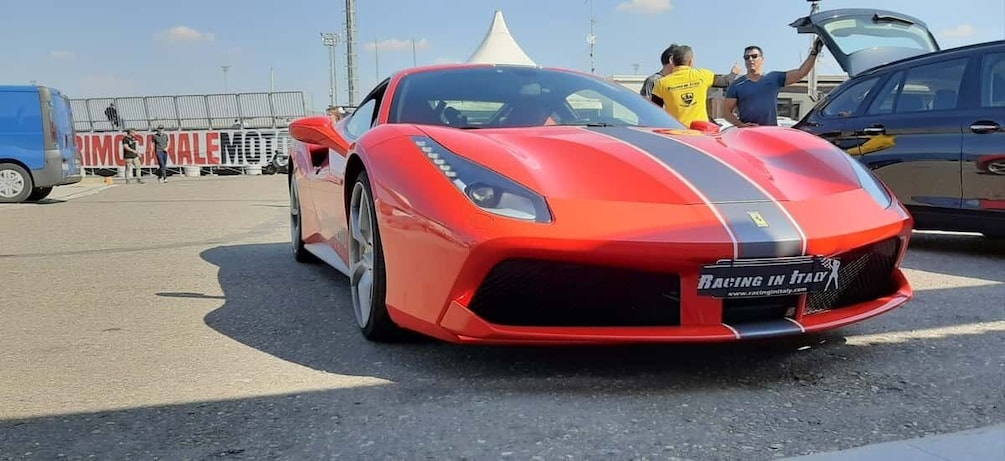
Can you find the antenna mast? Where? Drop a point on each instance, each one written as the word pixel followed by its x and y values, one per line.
pixel 592 38
pixel 811 81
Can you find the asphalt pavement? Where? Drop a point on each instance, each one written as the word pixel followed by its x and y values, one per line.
pixel 170 321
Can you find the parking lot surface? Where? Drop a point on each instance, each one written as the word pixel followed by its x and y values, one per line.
pixel 171 321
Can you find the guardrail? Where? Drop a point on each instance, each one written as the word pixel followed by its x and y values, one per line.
pixel 190 112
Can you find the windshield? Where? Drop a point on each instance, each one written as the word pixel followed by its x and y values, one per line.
pixel 513 96
pixel 864 32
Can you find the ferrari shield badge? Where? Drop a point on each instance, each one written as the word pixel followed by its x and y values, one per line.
pixel 758 219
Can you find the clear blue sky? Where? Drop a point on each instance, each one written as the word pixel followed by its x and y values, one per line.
pixel 105 48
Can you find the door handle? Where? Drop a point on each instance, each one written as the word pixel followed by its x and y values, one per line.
pixel 985 126
pixel 874 130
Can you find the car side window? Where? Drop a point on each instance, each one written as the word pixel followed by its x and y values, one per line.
pixel 847 103
pixel 993 80
pixel 931 87
pixel 883 104
pixel 361 120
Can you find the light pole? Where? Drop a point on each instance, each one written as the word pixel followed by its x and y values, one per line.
pixel 225 69
pixel 330 40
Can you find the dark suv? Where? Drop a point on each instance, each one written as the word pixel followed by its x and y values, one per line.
pixel 930 123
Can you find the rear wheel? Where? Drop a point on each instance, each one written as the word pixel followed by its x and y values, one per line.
pixel 39 193
pixel 300 252
pixel 367 279
pixel 15 183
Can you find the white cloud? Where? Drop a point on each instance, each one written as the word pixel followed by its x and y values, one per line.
pixel 962 30
pixel 184 34
pixel 394 44
pixel 60 54
pixel 645 6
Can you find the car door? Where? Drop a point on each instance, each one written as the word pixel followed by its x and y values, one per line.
pixel 329 190
pixel 984 137
pixel 828 119
pixel 861 39
pixel 911 134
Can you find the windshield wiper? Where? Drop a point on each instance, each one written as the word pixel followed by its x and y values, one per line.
pixel 587 124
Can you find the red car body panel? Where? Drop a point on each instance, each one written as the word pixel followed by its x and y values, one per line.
pixel 613 204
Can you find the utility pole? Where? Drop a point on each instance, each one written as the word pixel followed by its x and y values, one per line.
pixel 376 60
pixel 272 79
pixel 811 81
pixel 330 40
pixel 413 51
pixel 225 69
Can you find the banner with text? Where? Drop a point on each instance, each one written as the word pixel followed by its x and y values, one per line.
pixel 188 148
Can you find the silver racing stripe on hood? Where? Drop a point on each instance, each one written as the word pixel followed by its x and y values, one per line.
pixel 758 223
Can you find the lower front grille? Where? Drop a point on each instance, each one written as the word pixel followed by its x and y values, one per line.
pixel 752 310
pixel 866 273
pixel 526 292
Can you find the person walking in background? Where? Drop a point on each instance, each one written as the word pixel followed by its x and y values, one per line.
pixel 755 95
pixel 160 147
pixel 685 90
pixel 131 156
pixel 112 114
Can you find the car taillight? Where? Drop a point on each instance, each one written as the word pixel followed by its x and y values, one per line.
pixel 53 136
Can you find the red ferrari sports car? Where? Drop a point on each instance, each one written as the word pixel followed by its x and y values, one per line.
pixel 516 204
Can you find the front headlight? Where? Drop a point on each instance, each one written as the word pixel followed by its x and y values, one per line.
pixel 489 190
pixel 870 182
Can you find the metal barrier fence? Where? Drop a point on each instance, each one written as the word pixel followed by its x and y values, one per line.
pixel 190 112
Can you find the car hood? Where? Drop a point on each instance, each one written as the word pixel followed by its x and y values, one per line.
pixel 861 39
pixel 658 165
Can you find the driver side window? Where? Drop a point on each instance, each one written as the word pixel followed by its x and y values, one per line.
pixel 848 102
pixel 361 120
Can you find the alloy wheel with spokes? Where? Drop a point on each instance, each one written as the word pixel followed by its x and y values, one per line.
pixel 366 266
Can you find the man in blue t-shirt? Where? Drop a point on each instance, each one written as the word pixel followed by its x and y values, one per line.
pixel 755 95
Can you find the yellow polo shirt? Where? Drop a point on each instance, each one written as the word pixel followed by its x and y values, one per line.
pixel 685 92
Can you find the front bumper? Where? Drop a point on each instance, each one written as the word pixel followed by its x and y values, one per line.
pixel 601 284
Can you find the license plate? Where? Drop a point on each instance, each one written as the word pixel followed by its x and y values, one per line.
pixel 754 278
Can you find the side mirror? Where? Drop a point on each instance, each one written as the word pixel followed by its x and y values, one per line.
pixel 705 126
pixel 318 130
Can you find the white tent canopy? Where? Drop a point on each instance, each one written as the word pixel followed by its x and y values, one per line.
pixel 499 46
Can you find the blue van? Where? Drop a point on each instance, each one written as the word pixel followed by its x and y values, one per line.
pixel 38 149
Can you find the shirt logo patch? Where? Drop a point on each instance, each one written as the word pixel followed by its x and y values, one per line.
pixel 687 98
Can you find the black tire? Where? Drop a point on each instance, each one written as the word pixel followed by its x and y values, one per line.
pixel 13 176
pixel 39 193
pixel 378 327
pixel 300 252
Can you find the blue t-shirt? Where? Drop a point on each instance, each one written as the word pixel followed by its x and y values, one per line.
pixel 757 102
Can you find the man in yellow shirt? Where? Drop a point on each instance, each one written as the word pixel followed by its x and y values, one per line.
pixel 685 90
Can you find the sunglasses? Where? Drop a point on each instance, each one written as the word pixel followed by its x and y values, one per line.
pixel 751 56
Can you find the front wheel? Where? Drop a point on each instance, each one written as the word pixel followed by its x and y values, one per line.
pixel 367 279
pixel 15 183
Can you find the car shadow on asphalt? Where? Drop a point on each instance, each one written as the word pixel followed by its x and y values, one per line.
pixel 302 313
